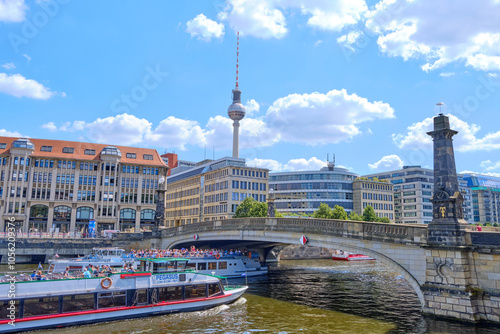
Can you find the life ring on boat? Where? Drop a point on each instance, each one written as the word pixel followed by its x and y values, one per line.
pixel 217 256
pixel 107 285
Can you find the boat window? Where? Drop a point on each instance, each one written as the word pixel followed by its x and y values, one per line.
pixel 212 265
pixel 111 299
pixel 41 306
pixel 181 265
pixel 142 296
pixel 76 303
pixel 202 266
pixel 195 291
pixel 170 293
pixel 191 265
pixel 213 289
pixel 223 265
pixel 4 312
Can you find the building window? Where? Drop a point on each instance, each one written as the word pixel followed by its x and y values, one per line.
pixel 70 150
pixel 3 145
pixel 46 148
pixel 148 157
pixel 132 156
pixel 89 152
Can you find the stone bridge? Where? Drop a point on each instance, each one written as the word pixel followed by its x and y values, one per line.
pixel 455 282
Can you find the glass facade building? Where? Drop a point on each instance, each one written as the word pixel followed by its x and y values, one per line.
pixel 485 197
pixel 303 192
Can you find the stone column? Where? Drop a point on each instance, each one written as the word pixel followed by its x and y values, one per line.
pixel 449 290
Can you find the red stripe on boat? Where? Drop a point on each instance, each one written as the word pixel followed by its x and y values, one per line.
pixel 60 315
pixel 134 275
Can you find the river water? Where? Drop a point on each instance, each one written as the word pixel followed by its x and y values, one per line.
pixel 304 296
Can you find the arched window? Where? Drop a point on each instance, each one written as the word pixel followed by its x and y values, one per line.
pixel 84 213
pixel 127 214
pixel 62 212
pixel 148 215
pixel 39 211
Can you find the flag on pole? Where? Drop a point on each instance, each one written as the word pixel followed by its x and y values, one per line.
pixel 40 265
pixel 57 255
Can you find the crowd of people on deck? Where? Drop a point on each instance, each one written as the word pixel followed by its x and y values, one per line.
pixel 185 252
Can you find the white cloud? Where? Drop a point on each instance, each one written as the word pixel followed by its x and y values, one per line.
pixel 446 74
pixel 204 28
pixel 12 10
pixel 330 15
pixel 266 18
pixel 349 39
pixel 255 18
pixel 50 126
pixel 323 118
pixel 176 132
pixel 305 119
pixel 453 31
pixel 9 66
pixel 6 133
pixel 251 107
pixel 388 162
pixel 318 43
pixel 489 165
pixel 292 165
pixel 27 57
pixel 18 86
pixel 416 136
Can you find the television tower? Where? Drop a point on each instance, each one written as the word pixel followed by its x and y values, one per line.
pixel 236 110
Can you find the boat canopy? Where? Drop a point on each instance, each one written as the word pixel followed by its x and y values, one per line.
pixel 164 264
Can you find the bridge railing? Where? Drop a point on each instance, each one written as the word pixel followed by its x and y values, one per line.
pixel 353 229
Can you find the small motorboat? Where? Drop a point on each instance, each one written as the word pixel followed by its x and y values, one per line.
pixel 346 256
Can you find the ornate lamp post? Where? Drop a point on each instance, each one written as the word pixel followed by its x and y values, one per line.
pixel 160 202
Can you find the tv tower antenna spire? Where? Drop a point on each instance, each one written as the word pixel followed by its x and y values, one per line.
pixel 237 59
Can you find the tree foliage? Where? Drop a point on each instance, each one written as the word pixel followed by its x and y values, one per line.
pixel 354 216
pixel 324 212
pixel 384 220
pixel 369 214
pixel 251 208
pixel 339 213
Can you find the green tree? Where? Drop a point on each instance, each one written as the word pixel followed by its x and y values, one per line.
pixel 258 209
pixel 369 214
pixel 324 211
pixel 251 208
pixel 487 224
pixel 354 216
pixel 339 213
pixel 384 220
pixel 278 214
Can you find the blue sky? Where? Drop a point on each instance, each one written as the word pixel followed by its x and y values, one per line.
pixel 358 79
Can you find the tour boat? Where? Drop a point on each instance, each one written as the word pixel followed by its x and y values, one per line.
pixel 346 256
pixel 162 286
pixel 228 266
pixel 111 256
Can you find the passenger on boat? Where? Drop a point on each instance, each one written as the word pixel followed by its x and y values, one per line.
pixel 66 273
pixel 40 277
pixel 130 269
pixel 86 273
pixel 33 276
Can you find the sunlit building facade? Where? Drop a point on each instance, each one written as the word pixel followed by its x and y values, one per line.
pixel 485 197
pixel 59 186
pixel 211 190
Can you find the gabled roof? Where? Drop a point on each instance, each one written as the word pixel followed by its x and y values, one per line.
pixel 79 151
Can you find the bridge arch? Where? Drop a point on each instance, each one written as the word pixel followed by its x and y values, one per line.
pixel 402 253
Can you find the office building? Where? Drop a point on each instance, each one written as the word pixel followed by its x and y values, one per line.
pixel 379 194
pixel 485 197
pixel 413 189
pixel 302 192
pixel 212 189
pixel 59 186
